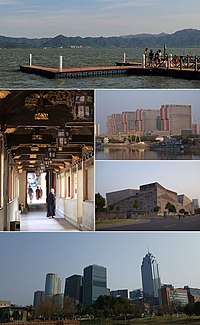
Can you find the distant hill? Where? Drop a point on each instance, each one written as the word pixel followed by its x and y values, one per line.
pixel 180 39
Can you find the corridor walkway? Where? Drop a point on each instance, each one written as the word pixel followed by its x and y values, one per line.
pixel 35 220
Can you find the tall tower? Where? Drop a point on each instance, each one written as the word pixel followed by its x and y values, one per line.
pixel 52 285
pixel 150 277
pixel 94 283
pixel 74 287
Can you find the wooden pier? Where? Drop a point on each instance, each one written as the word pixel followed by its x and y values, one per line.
pixel 75 72
pixel 184 70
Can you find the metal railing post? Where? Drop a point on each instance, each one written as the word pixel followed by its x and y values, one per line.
pixel 30 60
pixel 60 63
pixel 196 65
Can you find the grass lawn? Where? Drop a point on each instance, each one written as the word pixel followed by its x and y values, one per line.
pixel 117 221
pixel 182 319
pixel 131 220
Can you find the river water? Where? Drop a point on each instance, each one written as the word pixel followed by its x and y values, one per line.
pixel 12 78
pixel 119 153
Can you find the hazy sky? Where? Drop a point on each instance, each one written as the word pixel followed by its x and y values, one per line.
pixel 45 18
pixel 181 176
pixel 26 258
pixel 117 101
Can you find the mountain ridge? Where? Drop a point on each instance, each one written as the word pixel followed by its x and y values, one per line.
pixel 182 38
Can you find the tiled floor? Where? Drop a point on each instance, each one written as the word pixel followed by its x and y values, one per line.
pixel 35 220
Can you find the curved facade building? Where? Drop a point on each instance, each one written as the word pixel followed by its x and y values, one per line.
pixel 150 277
pixel 52 285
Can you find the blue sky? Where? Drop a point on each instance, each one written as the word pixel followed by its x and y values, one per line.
pixel 46 18
pixel 26 258
pixel 181 176
pixel 117 101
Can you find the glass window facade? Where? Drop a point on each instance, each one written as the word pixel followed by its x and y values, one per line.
pixel 150 276
pixel 94 283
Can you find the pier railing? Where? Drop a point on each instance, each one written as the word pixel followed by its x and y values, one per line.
pixel 173 61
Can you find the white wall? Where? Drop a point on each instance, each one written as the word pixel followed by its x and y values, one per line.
pixel 13 213
pixel 88 215
pixel 1 219
pixel 67 208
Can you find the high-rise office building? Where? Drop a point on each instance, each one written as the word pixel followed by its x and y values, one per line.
pixel 94 283
pixel 150 277
pixel 38 298
pixel 74 287
pixel 58 299
pixel 52 285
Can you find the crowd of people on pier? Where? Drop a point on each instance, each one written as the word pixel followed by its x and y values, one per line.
pixel 155 59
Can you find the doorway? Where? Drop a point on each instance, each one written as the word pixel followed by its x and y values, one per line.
pixel 36 188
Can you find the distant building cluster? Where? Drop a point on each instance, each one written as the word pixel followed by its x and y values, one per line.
pixel 83 289
pixel 148 199
pixel 87 288
pixel 168 120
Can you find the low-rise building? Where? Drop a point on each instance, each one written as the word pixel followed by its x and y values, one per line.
pixel 136 295
pixel 119 293
pixel 170 296
pixel 149 199
pixel 193 294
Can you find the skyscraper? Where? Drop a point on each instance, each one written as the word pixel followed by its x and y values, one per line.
pixel 52 285
pixel 73 287
pixel 94 283
pixel 38 298
pixel 150 277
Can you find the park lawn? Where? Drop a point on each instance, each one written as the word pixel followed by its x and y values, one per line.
pixel 116 221
pixel 181 320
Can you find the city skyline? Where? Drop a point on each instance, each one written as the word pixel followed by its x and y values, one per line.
pixel 24 261
pixel 95 18
pixel 119 175
pixel 110 102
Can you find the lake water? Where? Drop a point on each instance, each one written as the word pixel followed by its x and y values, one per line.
pixel 119 153
pixel 11 77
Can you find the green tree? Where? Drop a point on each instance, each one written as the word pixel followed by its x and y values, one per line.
pixel 99 202
pixel 157 208
pixel 189 309
pixel 197 308
pixel 170 207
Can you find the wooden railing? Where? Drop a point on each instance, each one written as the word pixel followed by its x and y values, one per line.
pixel 181 62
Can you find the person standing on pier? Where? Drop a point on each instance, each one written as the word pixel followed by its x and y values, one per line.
pixel 151 56
pixel 146 54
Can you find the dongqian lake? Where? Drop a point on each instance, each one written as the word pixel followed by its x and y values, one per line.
pixel 11 77
pixel 119 153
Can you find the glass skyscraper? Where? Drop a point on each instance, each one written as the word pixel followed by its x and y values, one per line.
pixel 94 283
pixel 52 285
pixel 150 277
pixel 74 287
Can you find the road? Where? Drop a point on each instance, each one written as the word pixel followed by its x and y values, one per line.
pixel 190 223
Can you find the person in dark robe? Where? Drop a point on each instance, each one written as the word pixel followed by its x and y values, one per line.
pixel 37 193
pixel 51 204
pixel 30 193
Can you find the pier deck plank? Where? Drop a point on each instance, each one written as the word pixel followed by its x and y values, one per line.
pixel 131 69
pixel 53 72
